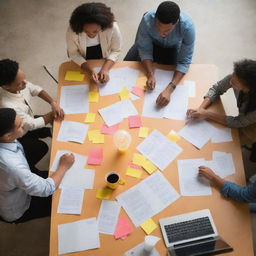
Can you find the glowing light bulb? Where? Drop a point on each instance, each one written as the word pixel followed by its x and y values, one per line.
pixel 122 140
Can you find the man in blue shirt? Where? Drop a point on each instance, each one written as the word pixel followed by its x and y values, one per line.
pixel 24 192
pixel 165 36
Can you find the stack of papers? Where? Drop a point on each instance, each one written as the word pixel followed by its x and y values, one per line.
pixel 159 149
pixel 191 184
pixel 72 131
pixel 78 236
pixel 115 113
pixel 74 99
pixel 153 194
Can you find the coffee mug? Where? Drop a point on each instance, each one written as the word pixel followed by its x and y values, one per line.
pixel 112 180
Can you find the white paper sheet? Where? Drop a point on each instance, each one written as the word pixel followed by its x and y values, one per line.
pixel 108 216
pixel 224 163
pixel 78 236
pixel 191 85
pixel 76 176
pixel 197 132
pixel 190 182
pixel 71 201
pixel 72 131
pixel 147 198
pixel 74 99
pixel 116 112
pixel 139 251
pixel 159 149
pixel 221 135
pixel 119 78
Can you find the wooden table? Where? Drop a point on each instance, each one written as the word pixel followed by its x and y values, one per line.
pixel 231 219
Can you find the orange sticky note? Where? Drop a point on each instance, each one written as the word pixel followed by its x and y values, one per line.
pixel 93 97
pixel 148 226
pixel 90 118
pixel 143 133
pixel 124 94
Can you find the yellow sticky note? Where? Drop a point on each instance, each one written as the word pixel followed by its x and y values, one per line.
pixel 104 193
pixel 92 134
pixel 148 166
pixel 138 159
pixel 148 226
pixel 173 136
pixel 124 94
pixel 133 172
pixel 141 81
pixel 93 96
pixel 74 76
pixel 90 118
pixel 143 133
pixel 98 138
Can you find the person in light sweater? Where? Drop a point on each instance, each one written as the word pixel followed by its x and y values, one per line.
pixel 16 93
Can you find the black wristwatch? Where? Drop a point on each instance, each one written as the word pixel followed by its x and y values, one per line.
pixel 172 85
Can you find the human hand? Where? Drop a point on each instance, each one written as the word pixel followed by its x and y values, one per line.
pixel 94 76
pixel 200 113
pixel 58 113
pixel 151 83
pixel 164 98
pixel 103 76
pixel 66 161
pixel 206 173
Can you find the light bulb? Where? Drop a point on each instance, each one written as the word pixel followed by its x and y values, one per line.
pixel 122 140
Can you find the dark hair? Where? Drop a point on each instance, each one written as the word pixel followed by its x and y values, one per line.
pixel 245 71
pixel 168 12
pixel 89 13
pixel 7 120
pixel 8 71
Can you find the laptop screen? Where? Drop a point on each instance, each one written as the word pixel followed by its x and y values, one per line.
pixel 209 246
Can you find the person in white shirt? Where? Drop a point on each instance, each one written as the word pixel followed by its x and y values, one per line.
pixel 16 93
pixel 93 34
pixel 23 193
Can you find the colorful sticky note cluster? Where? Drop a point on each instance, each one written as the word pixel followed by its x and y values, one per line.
pixel 134 166
pixel 143 133
pixel 137 91
pixel 148 226
pixel 104 193
pixel 134 121
pixel 95 156
pixel 90 118
pixel 93 96
pixel 123 228
pixel 109 129
pixel 74 76
pixel 124 94
pixel 133 172
pixel 96 137
pixel 138 159
pixel 173 136
pixel 148 166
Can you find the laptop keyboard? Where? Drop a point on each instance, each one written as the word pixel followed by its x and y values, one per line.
pixel 188 229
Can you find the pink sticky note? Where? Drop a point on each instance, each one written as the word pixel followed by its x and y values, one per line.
pixel 135 166
pixel 137 91
pixel 134 121
pixel 95 156
pixel 109 129
pixel 123 228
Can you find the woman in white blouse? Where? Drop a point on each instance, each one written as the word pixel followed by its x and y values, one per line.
pixel 93 34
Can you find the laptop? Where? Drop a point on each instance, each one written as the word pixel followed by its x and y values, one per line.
pixel 192 234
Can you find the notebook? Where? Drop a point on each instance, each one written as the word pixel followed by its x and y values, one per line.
pixel 192 234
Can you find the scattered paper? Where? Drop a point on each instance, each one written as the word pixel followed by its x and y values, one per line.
pixel 153 194
pixel 71 201
pixel 191 85
pixel 74 76
pixel 108 216
pixel 148 226
pixel 123 228
pixel 74 99
pixel 115 113
pixel 78 236
pixel 191 184
pixel 221 135
pixel 95 156
pixel 134 121
pixel 159 150
pixel 72 131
